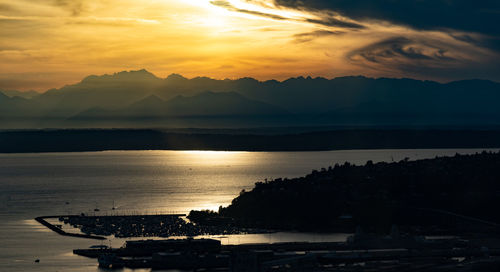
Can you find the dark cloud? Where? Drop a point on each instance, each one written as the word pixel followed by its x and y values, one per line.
pixel 400 50
pixel 485 42
pixel 466 38
pixel 328 20
pixel 475 16
pixel 331 21
pixel 309 36
pixel 229 6
pixel 422 59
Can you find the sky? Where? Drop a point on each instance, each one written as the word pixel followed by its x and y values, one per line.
pixel 50 43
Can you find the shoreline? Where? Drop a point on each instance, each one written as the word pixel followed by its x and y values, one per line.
pixel 95 140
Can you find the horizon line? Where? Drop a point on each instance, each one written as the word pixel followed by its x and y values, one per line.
pixel 240 78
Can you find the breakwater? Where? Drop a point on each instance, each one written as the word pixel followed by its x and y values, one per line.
pixel 58 230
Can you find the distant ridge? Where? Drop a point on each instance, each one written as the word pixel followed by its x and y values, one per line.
pixel 124 75
pixel 151 101
pixel 22 94
pixel 354 100
pixel 206 104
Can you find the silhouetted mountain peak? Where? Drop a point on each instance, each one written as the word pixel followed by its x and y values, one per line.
pixel 294 79
pixel 143 73
pixel 248 82
pixel 175 78
pixel 152 98
pixel 272 81
pixel 13 100
pixel 3 97
pixel 151 101
pixel 23 94
pixel 137 75
pixel 248 79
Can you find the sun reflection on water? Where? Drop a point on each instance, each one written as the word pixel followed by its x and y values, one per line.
pixel 217 157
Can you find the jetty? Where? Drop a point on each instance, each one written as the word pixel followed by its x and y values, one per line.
pixel 42 220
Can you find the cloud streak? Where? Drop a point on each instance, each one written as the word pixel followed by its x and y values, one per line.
pixel 230 7
pixel 400 49
pixel 76 7
pixel 325 20
pixel 83 20
pixel 475 16
pixel 309 36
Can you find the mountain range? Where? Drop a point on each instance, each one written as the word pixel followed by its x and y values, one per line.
pixel 141 99
pixel 25 94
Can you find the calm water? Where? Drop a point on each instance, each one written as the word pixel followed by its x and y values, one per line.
pixel 137 182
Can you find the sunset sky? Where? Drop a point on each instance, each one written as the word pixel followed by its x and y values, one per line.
pixel 50 43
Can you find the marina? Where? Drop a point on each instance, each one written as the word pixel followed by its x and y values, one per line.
pixel 379 252
pixel 123 226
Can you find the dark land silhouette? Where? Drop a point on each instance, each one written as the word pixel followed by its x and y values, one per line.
pixel 410 200
pixel 264 139
pixel 139 99
pixel 445 195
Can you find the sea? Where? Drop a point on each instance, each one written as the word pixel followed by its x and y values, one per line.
pixel 144 182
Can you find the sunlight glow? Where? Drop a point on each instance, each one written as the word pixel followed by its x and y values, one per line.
pixel 214 156
pixel 47 44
